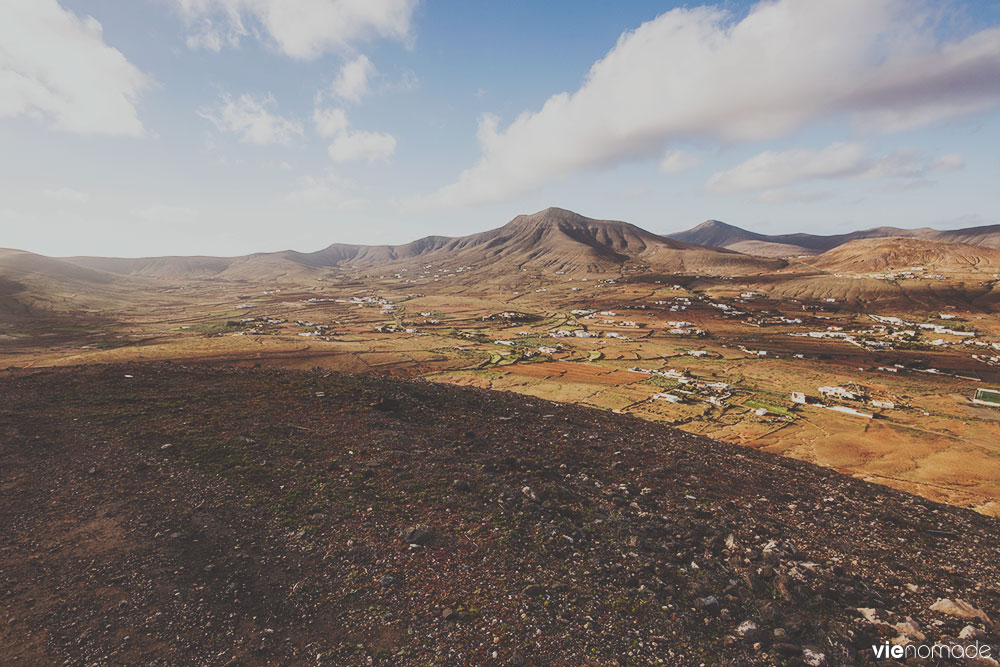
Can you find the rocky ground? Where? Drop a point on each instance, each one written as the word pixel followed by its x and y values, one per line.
pixel 161 514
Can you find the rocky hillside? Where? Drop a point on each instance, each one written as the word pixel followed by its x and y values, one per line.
pixel 872 255
pixel 160 514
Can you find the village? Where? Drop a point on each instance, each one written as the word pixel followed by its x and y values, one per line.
pixel 883 392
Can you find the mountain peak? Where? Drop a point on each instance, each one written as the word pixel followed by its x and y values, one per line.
pixel 713 224
pixel 551 216
pixel 714 233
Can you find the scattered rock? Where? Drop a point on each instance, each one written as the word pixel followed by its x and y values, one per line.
pixel 461 485
pixel 813 657
pixel 959 608
pixel 748 630
pixel 710 605
pixel 972 633
pixel 910 630
pixel 417 535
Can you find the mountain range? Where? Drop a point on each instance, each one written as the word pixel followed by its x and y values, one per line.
pixel 553 241
pixel 717 234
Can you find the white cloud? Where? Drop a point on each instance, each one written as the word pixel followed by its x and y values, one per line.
pixel 67 194
pixel 303 29
pixel 675 162
pixel 697 73
pixel 349 145
pixel 250 118
pixel 772 169
pixel 330 122
pixel 56 67
pixel 328 190
pixel 776 169
pixel 353 81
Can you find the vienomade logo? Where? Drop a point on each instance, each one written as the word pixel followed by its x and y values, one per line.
pixel 936 651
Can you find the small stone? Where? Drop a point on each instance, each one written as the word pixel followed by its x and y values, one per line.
pixel 959 609
pixel 972 633
pixel 709 605
pixel 813 658
pixel 166 446
pixel 92 470
pixel 449 615
pixel 461 485
pixel 747 629
pixel 416 536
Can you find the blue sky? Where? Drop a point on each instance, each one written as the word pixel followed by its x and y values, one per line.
pixel 233 126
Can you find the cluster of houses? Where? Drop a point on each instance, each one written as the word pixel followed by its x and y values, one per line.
pixel 682 328
pixel 838 393
pixel 713 392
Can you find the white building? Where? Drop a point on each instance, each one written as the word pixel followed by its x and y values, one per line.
pixel 838 392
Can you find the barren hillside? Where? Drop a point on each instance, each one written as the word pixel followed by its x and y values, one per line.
pixel 200 515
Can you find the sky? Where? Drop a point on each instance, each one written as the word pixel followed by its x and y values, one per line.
pixel 224 127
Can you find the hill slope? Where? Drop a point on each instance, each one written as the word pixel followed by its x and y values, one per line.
pixel 35 288
pixel 881 254
pixel 550 241
pixel 714 233
pixel 144 504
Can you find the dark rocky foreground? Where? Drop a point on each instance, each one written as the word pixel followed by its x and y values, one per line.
pixel 223 516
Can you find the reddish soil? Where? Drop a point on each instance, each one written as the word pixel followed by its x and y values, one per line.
pixel 198 515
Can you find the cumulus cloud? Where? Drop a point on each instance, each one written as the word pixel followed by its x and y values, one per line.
pixel 302 29
pixel 776 169
pixel 56 67
pixel 252 120
pixel 699 73
pixel 349 145
pixel 353 81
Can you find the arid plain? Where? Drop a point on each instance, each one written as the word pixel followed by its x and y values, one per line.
pixel 588 312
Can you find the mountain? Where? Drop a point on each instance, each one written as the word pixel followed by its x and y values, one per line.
pixel 717 234
pixel 894 253
pixel 553 241
pixel 33 285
